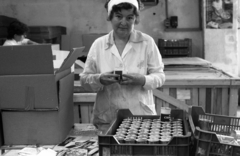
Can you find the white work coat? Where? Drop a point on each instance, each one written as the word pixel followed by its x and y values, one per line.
pixel 141 55
pixel 14 42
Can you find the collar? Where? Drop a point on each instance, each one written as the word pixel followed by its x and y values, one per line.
pixel 135 37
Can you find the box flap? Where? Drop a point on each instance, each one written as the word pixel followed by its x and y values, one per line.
pixel 26 60
pixel 60 54
pixel 71 58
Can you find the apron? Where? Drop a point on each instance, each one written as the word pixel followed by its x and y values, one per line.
pixel 115 97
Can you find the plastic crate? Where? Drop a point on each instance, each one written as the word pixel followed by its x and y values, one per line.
pixel 175 48
pixel 206 143
pixel 177 146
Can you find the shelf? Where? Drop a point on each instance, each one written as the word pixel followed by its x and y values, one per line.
pixel 173 47
pixel 181 29
pixel 176 55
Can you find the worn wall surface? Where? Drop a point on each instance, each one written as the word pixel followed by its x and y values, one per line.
pixel 222 45
pixel 89 16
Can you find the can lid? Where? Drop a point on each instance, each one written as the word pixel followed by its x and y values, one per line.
pixel 165 110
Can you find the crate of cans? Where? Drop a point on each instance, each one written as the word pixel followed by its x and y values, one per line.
pixel 217 135
pixel 154 135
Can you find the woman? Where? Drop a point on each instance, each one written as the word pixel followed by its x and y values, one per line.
pixel 17 32
pixel 127 51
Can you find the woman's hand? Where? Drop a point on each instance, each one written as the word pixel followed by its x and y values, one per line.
pixel 133 79
pixel 108 78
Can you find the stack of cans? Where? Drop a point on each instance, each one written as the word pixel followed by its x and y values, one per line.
pixel 148 131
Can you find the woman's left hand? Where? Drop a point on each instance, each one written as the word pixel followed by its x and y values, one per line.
pixel 133 79
pixel 108 78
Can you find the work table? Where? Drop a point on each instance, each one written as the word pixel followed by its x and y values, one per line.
pixel 189 81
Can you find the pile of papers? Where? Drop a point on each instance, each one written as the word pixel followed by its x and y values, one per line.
pixel 82 141
pixel 28 151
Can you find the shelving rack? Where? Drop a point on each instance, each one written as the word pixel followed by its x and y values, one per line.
pixel 175 48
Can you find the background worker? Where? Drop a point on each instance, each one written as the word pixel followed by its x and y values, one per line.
pixel 17 32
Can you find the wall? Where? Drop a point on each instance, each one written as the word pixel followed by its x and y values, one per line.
pixel 89 16
pixel 238 36
pixel 222 45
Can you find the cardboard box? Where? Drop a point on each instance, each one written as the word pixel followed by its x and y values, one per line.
pixel 42 126
pixel 36 100
pixel 28 70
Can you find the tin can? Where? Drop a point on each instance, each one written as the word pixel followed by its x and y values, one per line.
pixel 177 120
pixel 124 126
pixel 156 120
pixel 165 113
pixel 165 134
pixel 121 129
pixel 152 136
pixel 121 133
pixel 129 140
pixel 146 123
pixel 132 131
pixel 177 130
pixel 127 120
pixel 176 123
pixel 132 134
pixel 165 140
pixel 145 126
pixel 137 119
pixel 143 133
pixel 142 136
pixel 168 124
pixel 120 138
pixel 154 133
pixel 166 131
pixel 156 126
pixel 177 134
pixel 153 141
pixel 134 126
pixel 147 120
pixel 143 130
pixel 177 126
pixel 155 129
pixel 138 124
pixel 141 141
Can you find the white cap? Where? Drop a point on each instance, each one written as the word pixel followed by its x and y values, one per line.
pixel 116 2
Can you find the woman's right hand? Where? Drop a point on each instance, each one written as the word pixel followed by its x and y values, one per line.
pixel 108 78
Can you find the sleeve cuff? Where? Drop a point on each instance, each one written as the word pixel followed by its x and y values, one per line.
pixel 147 84
pixel 98 81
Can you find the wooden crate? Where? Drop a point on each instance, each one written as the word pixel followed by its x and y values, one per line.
pixel 189 81
pixel 83 107
pixel 206 86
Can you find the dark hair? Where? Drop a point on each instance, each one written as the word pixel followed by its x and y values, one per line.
pixel 16 28
pixel 119 7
